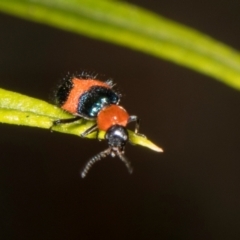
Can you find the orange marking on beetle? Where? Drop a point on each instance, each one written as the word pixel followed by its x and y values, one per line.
pixel 79 87
pixel 112 115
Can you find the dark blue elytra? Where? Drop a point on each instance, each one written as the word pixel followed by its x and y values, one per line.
pixel 95 99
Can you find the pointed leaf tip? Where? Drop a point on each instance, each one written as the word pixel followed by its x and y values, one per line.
pixel 143 141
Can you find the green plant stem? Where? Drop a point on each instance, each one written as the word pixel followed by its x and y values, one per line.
pixel 19 109
pixel 125 24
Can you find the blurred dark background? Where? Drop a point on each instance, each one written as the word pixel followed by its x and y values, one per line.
pixel 191 191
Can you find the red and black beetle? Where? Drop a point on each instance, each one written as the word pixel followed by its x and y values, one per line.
pixel 86 97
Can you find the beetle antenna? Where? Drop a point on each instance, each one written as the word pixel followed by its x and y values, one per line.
pixel 94 159
pixel 125 160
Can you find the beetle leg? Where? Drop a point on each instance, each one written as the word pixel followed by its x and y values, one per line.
pixel 137 120
pixel 64 121
pixel 88 131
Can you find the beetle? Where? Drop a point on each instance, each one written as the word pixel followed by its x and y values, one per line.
pixel 85 96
